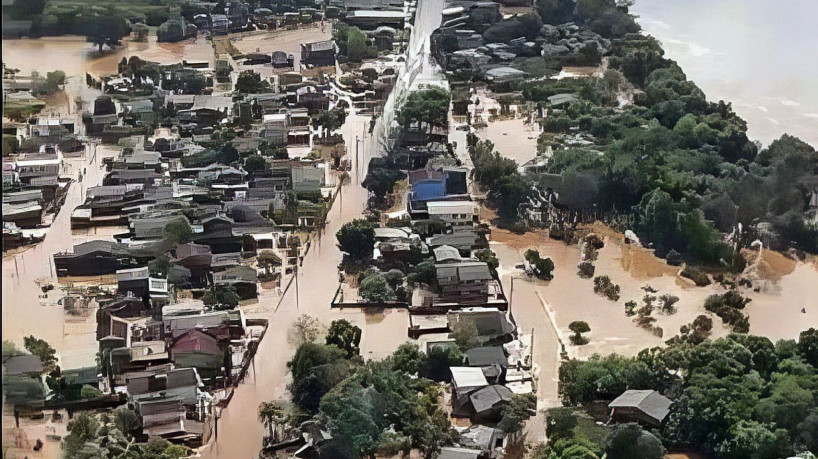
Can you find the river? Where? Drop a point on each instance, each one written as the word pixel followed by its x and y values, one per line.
pixel 757 54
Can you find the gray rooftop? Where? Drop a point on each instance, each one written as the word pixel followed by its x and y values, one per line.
pixel 650 402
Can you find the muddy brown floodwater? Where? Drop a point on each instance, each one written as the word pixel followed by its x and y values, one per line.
pixel 775 311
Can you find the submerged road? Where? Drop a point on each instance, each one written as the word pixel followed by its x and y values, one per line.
pixel 240 433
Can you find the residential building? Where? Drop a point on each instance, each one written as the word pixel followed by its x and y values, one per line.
pixel 646 407
pixel 318 54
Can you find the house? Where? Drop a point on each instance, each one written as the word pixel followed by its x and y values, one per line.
pixel 372 19
pixel 111 324
pixel 457 214
pixel 465 380
pixel 32 166
pixel 447 253
pixel 482 438
pixel 486 404
pixel 646 407
pixel 464 241
pixel 463 283
pixel 242 278
pixel 484 356
pixel 168 419
pixel 133 281
pixel 203 349
pixel 92 258
pixel 220 25
pixel 491 323
pixel 318 54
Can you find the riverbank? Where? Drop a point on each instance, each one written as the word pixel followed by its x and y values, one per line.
pixel 770 84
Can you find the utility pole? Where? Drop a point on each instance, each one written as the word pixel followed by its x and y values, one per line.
pixel 295 273
pixel 511 295
pixel 357 161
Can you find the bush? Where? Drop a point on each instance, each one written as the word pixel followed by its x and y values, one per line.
pixel 586 270
pixel 668 303
pixel 603 286
pixel 222 298
pixel 728 306
pixel 560 423
pixel 543 267
pixel 375 289
pixel 629 441
pixel 88 391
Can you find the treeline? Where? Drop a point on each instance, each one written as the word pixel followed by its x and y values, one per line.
pixel 683 165
pixel 737 397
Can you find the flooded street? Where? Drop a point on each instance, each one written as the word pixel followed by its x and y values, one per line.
pixel 24 313
pixel 240 432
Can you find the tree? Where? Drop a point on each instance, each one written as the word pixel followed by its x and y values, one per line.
pixel 629 441
pixel 428 106
pixel 381 181
pixel 160 265
pixel 543 267
pixel 579 327
pixel 10 350
pixel 254 164
pixel 409 359
pixel 669 302
pixel 171 31
pixel 305 329
pixel 106 30
pixel 375 289
pixel 272 416
pixel 510 191
pixel 465 333
pixel 316 369
pixel 54 81
pixel 357 239
pixel 140 32
pixel 382 411
pixel 808 346
pixel 223 297
pixel 250 82
pixel 517 411
pixel 440 359
pixel 178 232
pixel 83 428
pixel 331 120
pixel 425 273
pixel 808 432
pixel 345 336
pixel 488 257
pixel 356 45
pixel 41 349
